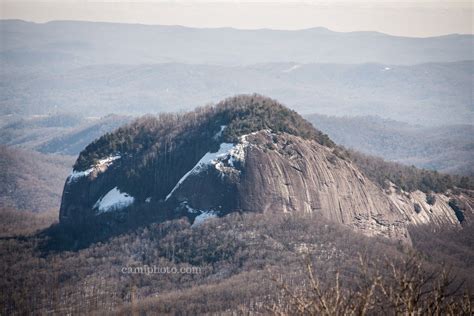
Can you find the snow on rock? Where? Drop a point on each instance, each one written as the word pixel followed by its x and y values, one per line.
pixel 188 208
pixel 202 215
pixel 148 200
pixel 107 161
pixel 219 133
pixel 205 215
pixel 113 200
pixel 237 153
pixel 227 151
pixel 100 166
pixel 224 158
pixel 75 175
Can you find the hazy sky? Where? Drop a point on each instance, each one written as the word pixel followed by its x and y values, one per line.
pixel 405 17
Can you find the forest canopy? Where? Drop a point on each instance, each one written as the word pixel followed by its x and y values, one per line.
pixel 145 141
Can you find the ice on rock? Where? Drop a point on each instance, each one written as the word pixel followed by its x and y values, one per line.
pixel 219 133
pixel 228 153
pixel 205 215
pixel 113 200
pixel 206 160
pixel 100 165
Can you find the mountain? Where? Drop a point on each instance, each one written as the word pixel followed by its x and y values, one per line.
pixel 141 213
pixel 31 181
pixel 428 94
pixel 247 154
pixel 81 43
pixel 448 148
pixel 36 153
pixel 64 134
pixel 72 142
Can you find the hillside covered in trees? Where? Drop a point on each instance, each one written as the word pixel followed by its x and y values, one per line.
pixel 31 181
pixel 240 264
pixel 240 115
pixel 150 137
pixel 445 148
pixel 408 178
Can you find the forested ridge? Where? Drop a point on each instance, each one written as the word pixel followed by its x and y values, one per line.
pixel 240 114
pixel 157 151
pixel 445 148
pixel 179 139
pixel 31 181
pixel 408 178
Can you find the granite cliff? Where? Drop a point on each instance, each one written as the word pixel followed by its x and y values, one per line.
pixel 246 154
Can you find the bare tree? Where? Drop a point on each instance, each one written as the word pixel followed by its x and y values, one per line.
pixel 402 287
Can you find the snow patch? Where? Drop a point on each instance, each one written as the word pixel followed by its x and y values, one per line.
pixel 189 209
pixel 237 153
pixel 386 69
pixel 113 200
pixel 205 215
pixel 75 175
pixel 207 159
pixel 148 200
pixel 227 152
pixel 101 165
pixel 219 133
pixel 202 215
pixel 107 161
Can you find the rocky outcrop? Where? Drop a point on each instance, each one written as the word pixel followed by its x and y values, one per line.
pixel 415 206
pixel 217 168
pixel 284 173
pixel 82 189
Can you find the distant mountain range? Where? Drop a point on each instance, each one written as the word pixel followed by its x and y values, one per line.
pixel 426 94
pixel 65 134
pixel 101 68
pixel 85 43
pixel 448 148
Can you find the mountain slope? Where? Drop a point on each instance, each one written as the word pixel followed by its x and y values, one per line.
pixel 448 149
pixel 234 257
pixel 57 133
pixel 248 153
pixel 72 142
pixel 31 181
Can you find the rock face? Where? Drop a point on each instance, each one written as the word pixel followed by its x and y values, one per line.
pixel 262 170
pixel 284 173
pixel 418 211
pixel 84 187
